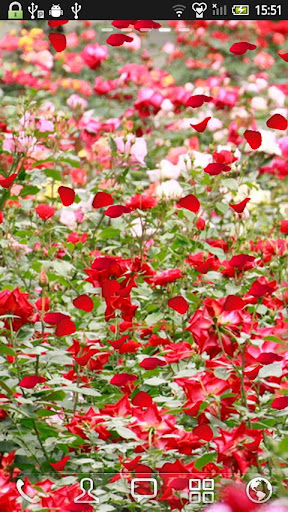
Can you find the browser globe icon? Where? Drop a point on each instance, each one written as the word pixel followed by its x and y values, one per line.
pixel 259 490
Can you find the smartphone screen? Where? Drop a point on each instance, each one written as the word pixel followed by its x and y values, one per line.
pixel 143 258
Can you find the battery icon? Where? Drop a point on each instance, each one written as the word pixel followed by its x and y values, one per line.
pixel 240 10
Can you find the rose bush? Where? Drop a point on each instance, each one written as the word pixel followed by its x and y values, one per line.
pixel 143 250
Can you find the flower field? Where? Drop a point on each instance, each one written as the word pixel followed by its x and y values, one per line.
pixel 143 264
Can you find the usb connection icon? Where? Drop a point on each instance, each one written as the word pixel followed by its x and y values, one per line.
pixel 240 10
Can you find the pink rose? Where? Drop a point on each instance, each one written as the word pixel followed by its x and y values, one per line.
pixel 94 54
pixel 136 147
pixel 74 101
pixel 283 143
pixel 43 125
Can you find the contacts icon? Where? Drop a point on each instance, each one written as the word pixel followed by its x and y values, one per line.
pixel 87 495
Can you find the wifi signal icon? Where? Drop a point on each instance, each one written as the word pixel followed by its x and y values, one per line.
pixel 179 9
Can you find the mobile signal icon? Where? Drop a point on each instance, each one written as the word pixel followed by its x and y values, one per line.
pixel 179 9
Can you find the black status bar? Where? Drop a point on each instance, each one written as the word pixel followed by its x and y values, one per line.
pixel 173 10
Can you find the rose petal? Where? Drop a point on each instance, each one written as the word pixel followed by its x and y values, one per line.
pixel 253 138
pixel 84 302
pixel 57 23
pixel 7 182
pixel 109 288
pixel 118 39
pixel 233 303
pixel 239 207
pixel 269 358
pixel 123 23
pixel 197 100
pixel 179 304
pixel 240 260
pixel 29 382
pixel 284 56
pixel 178 484
pixel 116 211
pixel 277 122
pixel 59 466
pixel 140 24
pixel 200 127
pixel 142 399
pixel 122 378
pixel 260 289
pixel 65 327
pixel 58 41
pixel 203 432
pixel 241 47
pixel 216 168
pixel 280 403
pixel 150 363
pixel 67 195
pixel 102 199
pixel 54 318
pixel 189 202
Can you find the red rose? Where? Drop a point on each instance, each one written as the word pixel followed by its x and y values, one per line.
pixel 200 224
pixel 143 202
pixel 45 211
pixel 284 227
pixel 15 303
pixel 167 276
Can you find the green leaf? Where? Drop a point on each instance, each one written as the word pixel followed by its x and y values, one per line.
pixel 44 412
pixel 4 349
pixel 155 381
pixel 221 208
pixel 230 183
pixel 5 387
pixel 270 370
pixel 112 145
pixel 71 161
pixel 53 173
pixel 154 318
pixel 205 459
pixel 273 338
pixel 283 445
pixel 215 250
pixel 126 433
pixel 109 233
pixel 55 396
pixel 29 190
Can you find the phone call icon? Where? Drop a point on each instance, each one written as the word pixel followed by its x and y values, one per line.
pixel 20 484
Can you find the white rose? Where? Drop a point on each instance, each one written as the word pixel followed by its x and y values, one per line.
pixel 277 96
pixel 220 135
pixel 184 162
pixel 166 171
pixel 283 207
pixel 257 196
pixel 67 218
pixel 168 48
pixel 214 124
pixel 167 105
pixel 261 84
pixel 258 103
pixel 169 189
pixel 136 228
pixel 201 159
pixel 269 143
